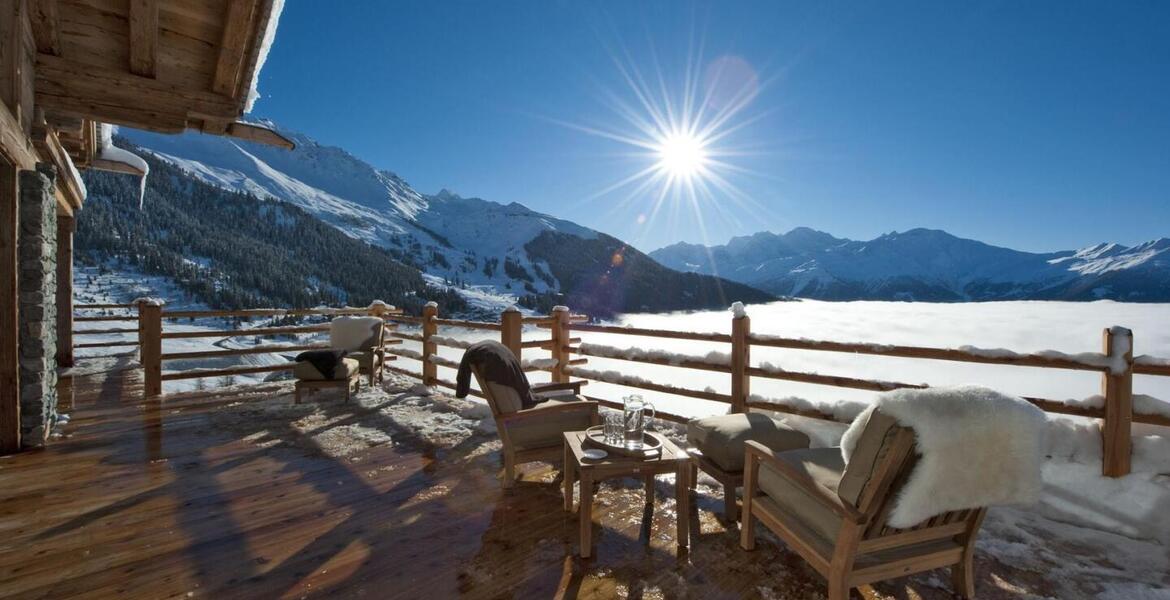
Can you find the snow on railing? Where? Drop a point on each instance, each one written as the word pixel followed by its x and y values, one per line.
pixel 539 363
pixel 842 411
pixel 713 358
pixel 450 341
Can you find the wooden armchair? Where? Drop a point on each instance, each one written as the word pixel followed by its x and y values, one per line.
pixel 363 340
pixel 535 434
pixel 834 514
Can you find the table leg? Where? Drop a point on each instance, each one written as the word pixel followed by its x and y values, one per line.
pixel 649 489
pixel 586 512
pixel 568 473
pixel 682 490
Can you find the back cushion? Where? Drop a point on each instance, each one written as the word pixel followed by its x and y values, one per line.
pixel 872 447
pixel 355 333
pixel 507 400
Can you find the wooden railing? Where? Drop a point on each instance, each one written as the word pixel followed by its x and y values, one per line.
pixel 151 324
pixel 1115 364
pixel 568 357
pixel 124 322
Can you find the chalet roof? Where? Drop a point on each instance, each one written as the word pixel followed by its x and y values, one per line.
pixel 159 65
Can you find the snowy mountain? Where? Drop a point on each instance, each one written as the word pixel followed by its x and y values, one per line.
pixel 469 244
pixel 460 239
pixel 925 264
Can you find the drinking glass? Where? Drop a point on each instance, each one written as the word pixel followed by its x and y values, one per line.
pixel 613 427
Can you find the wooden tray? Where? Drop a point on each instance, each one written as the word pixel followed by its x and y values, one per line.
pixel 651 444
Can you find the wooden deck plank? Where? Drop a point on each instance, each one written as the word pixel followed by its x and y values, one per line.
pixel 182 497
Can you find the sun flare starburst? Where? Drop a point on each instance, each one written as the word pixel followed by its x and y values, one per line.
pixel 682 155
pixel 679 137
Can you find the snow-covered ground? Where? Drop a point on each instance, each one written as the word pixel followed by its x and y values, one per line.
pixel 1022 552
pixel 1135 506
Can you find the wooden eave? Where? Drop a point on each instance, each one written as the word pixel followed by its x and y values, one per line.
pixel 158 65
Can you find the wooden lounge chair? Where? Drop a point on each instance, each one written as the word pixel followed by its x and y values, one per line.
pixel 834 514
pixel 535 434
pixel 369 351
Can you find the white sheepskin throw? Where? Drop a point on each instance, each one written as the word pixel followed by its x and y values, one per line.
pixel 350 333
pixel 978 448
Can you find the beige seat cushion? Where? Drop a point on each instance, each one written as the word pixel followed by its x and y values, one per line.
pixel 543 432
pixel 305 370
pixel 823 465
pixel 722 438
pixel 872 447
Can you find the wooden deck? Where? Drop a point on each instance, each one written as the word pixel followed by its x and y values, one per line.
pixel 164 498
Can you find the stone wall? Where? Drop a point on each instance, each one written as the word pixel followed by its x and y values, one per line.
pixel 37 250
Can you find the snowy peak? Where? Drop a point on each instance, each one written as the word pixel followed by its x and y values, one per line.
pixel 928 264
pixel 459 240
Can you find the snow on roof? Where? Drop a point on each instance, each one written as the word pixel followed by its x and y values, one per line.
pixel 108 151
pixel 262 57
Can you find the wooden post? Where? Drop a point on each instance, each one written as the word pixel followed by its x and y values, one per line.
pixel 9 314
pixel 741 382
pixel 150 330
pixel 65 225
pixel 429 328
pixel 510 327
pixel 560 340
pixel 1118 391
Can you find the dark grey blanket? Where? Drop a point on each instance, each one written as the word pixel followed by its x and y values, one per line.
pixel 495 363
pixel 325 361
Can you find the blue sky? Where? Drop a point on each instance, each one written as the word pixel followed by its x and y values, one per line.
pixel 1035 125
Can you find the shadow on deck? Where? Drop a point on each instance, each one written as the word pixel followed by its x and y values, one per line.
pixel 238 493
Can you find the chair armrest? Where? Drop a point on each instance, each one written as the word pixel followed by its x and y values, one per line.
pixel 584 406
pixel 568 385
pixel 832 500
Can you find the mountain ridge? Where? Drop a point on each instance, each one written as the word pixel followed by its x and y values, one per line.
pixel 927 264
pixel 463 243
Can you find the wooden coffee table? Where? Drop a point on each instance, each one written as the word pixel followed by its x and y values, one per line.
pixel 673 460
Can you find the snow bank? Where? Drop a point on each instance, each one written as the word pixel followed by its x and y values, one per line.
pixel 713 358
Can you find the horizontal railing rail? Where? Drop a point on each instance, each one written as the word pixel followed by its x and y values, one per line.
pixel 567 357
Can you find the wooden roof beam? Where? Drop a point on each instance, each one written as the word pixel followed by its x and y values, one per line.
pixel 144 37
pixel 69 185
pixel 45 26
pixel 239 28
pixel 102 164
pixel 259 134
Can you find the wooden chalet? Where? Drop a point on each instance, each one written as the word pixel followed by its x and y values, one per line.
pixel 68 68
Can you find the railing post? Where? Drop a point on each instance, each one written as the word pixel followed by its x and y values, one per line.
pixel 510 329
pixel 741 382
pixel 138 307
pixel 429 328
pixel 560 341
pixel 150 338
pixel 65 227
pixel 1118 391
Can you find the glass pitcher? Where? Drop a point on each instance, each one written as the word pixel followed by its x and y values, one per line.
pixel 635 419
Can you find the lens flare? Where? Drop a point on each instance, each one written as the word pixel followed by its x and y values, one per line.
pixel 681 155
pixel 678 135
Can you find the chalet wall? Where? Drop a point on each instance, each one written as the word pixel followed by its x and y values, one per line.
pixel 37 256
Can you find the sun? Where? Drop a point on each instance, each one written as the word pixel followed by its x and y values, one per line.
pixel 681 155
